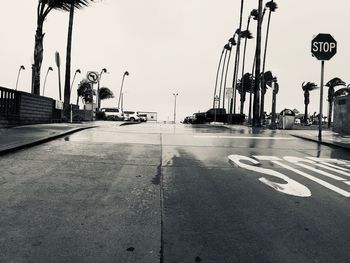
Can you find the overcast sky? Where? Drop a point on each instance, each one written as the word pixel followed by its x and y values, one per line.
pixel 173 46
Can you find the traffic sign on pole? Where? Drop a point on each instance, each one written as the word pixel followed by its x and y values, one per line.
pixel 92 76
pixel 323 47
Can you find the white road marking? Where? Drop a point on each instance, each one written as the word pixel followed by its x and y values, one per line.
pixel 333 169
pixel 315 179
pixel 291 187
pixel 297 161
pixel 243 137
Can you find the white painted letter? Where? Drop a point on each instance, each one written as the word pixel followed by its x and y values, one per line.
pixel 291 187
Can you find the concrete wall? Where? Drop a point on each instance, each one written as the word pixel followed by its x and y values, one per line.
pixel 35 109
pixel 341 118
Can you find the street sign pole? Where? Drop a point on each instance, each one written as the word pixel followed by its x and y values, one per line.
pixel 323 47
pixel 320 117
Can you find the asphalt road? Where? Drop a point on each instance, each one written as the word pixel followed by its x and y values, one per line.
pixel 165 193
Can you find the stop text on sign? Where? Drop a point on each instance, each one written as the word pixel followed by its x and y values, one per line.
pixel 324 46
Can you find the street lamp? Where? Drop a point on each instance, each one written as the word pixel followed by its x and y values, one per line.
pixel 75 73
pixel 19 71
pixel 104 70
pixel 47 72
pixel 175 95
pixel 126 73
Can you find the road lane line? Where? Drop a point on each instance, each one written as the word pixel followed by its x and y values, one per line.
pixel 315 179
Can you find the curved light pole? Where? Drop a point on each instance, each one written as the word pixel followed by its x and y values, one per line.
pixel 19 71
pixel 104 70
pixel 75 73
pixel 126 73
pixel 175 95
pixel 47 73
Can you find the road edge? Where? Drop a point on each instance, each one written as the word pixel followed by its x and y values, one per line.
pixel 42 140
pixel 332 144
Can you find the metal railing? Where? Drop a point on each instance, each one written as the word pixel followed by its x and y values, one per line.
pixel 9 102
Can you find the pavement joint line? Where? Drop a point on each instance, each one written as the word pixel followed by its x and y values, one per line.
pixel 42 140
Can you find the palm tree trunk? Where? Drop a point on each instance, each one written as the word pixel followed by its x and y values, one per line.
pixel 68 62
pixel 78 99
pixel 38 57
pixel 256 115
pixel 305 115
pixel 263 90
pixel 217 76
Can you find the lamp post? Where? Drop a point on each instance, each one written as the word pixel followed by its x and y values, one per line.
pixel 175 95
pixel 19 71
pixel 47 73
pixel 75 73
pixel 126 73
pixel 104 70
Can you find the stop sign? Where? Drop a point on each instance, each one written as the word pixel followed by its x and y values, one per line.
pixel 323 47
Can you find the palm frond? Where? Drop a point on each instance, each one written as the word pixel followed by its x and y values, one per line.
pixel 335 82
pixel 105 93
pixel 308 86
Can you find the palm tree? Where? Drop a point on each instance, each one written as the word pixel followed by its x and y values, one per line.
pixel 85 91
pixel 307 87
pixel 74 4
pixel 105 93
pixel 243 86
pixel 43 9
pixel 331 85
pixel 272 6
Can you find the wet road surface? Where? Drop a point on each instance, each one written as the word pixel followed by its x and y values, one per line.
pixel 165 193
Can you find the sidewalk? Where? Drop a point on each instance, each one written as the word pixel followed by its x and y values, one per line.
pixel 19 137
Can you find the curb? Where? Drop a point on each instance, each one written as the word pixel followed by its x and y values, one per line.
pixel 331 144
pixel 43 140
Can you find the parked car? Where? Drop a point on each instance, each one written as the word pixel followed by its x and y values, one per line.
pixel 131 116
pixel 113 114
pixel 143 117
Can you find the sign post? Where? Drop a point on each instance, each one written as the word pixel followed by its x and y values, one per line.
pixel 323 47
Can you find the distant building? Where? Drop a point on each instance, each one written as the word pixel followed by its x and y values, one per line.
pixel 341 120
pixel 151 116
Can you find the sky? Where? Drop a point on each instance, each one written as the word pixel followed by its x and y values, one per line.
pixel 171 46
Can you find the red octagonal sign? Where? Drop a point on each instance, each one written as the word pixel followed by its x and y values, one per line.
pixel 324 47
